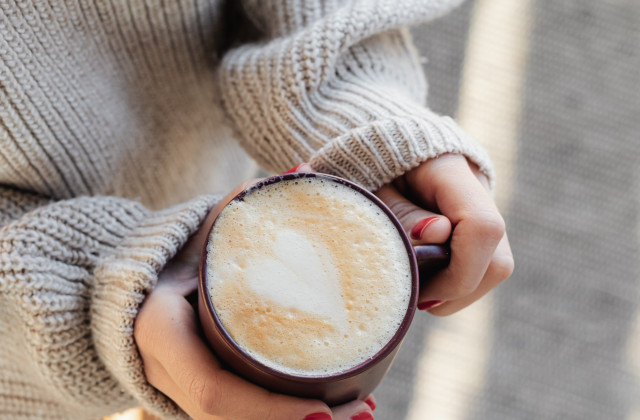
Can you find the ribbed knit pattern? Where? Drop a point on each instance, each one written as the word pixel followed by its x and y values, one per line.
pixel 72 276
pixel 115 115
pixel 340 86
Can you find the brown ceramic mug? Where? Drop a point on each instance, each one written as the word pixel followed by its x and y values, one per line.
pixel 295 233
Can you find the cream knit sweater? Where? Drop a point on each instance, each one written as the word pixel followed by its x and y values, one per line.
pixel 119 118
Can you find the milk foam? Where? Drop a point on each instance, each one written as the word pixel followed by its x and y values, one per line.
pixel 308 276
pixel 300 272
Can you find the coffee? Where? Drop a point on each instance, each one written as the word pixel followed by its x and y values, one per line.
pixel 308 276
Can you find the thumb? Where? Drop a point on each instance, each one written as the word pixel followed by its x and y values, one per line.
pixel 180 365
pixel 422 226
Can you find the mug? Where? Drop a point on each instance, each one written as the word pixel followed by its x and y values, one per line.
pixel 354 383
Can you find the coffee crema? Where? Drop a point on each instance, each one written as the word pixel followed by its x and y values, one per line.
pixel 308 276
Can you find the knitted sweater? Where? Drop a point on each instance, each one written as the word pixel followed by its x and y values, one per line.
pixel 119 119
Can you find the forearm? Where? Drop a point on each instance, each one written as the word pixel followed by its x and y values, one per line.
pixel 73 274
pixel 339 86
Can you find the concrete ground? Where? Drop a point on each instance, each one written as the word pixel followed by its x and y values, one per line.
pixel 552 88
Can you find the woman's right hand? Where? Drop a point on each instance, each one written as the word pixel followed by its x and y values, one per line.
pixel 178 362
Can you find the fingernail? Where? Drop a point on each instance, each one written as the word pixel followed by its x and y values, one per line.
pixel 365 415
pixel 430 304
pixel 416 232
pixel 295 168
pixel 318 416
pixel 371 403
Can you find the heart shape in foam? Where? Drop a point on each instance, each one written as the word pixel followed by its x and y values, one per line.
pixel 300 275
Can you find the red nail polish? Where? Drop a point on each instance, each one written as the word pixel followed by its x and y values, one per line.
pixel 295 168
pixel 365 415
pixel 416 232
pixel 371 403
pixel 430 304
pixel 318 416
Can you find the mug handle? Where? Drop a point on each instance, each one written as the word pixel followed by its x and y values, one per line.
pixel 430 259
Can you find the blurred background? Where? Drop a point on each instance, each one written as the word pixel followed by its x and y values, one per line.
pixel 552 89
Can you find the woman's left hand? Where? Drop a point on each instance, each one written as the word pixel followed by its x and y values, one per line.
pixel 448 199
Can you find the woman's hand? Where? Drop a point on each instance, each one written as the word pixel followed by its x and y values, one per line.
pixel 179 364
pixel 448 198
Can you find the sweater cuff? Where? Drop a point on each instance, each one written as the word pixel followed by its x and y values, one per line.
pixel 376 153
pixel 123 280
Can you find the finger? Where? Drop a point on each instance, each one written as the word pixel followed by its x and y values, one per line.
pixel 301 167
pixel 478 226
pixel 371 402
pixel 500 268
pixel 210 389
pixel 169 388
pixel 354 410
pixel 421 225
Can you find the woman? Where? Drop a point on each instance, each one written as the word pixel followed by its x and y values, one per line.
pixel 118 121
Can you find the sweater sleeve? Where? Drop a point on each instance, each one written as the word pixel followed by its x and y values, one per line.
pixel 339 85
pixel 72 276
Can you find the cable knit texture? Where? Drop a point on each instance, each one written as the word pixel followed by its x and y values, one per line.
pixel 117 124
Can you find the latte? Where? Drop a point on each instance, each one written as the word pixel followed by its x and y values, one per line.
pixel 308 276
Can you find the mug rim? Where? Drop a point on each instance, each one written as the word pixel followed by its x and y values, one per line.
pixel 395 340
